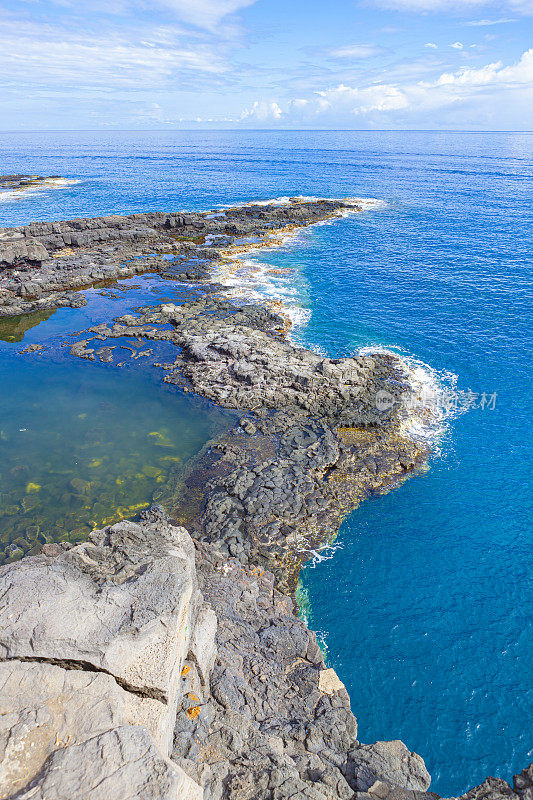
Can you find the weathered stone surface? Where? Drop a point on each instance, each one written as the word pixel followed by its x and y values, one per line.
pixel 523 783
pixel 263 726
pixel 93 642
pixel 9 183
pixel 498 789
pixel 237 357
pixel 76 253
pixel 120 764
pixel 391 762
pixel 329 682
pixel 44 707
pixel 28 251
pixel 202 648
pixel 125 603
pixel 491 789
pixel 276 723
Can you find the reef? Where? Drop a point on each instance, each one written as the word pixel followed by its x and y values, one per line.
pixel 11 183
pixel 164 657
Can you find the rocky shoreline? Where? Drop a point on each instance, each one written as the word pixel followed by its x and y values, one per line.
pixel 44 265
pixel 167 653
pixel 313 442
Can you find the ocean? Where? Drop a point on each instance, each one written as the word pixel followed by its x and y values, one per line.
pixel 424 601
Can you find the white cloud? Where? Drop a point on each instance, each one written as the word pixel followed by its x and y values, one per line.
pixel 519 6
pixel 449 89
pixel 263 111
pixel 205 13
pixel 431 45
pixel 45 55
pixel 486 22
pixel 431 5
pixel 357 51
pixel 363 101
pixel 457 45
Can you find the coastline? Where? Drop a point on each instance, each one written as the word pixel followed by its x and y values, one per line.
pixel 311 444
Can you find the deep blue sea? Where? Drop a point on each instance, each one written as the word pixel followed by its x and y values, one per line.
pixel 426 603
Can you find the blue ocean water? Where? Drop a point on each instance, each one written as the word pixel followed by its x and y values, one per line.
pixel 426 606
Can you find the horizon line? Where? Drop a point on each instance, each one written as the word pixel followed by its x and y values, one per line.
pixel 264 130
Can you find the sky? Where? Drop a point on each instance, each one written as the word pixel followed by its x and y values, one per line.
pixel 297 64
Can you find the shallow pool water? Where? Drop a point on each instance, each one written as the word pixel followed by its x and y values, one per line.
pixel 85 444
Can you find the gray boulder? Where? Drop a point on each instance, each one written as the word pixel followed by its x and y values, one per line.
pixel 47 710
pixel 16 251
pixel 393 763
pixel 123 603
pixel 93 642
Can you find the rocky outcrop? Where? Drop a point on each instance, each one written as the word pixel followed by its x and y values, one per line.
pixel 240 360
pixel 40 263
pixel 12 183
pixel 498 789
pixel 76 734
pixel 17 249
pixel 238 356
pixel 108 667
pixel 277 722
pixel 316 440
pixel 93 643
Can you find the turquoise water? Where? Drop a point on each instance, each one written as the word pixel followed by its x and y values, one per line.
pixel 426 606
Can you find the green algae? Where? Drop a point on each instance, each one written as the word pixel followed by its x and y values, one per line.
pixel 305 613
pixel 13 329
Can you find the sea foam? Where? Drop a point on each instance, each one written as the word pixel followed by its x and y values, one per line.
pixel 26 192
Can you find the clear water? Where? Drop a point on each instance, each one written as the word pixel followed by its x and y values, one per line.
pixel 427 604
pixel 84 445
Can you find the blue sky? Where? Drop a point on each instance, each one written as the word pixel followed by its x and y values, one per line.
pixel 364 64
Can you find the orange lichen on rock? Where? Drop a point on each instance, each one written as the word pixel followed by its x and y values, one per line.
pixel 193 712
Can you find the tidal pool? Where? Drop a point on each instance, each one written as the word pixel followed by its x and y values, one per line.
pixel 84 444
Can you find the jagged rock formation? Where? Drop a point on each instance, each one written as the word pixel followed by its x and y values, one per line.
pixel 117 649
pixel 277 723
pixel 498 789
pixel 316 443
pixel 236 356
pixel 9 183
